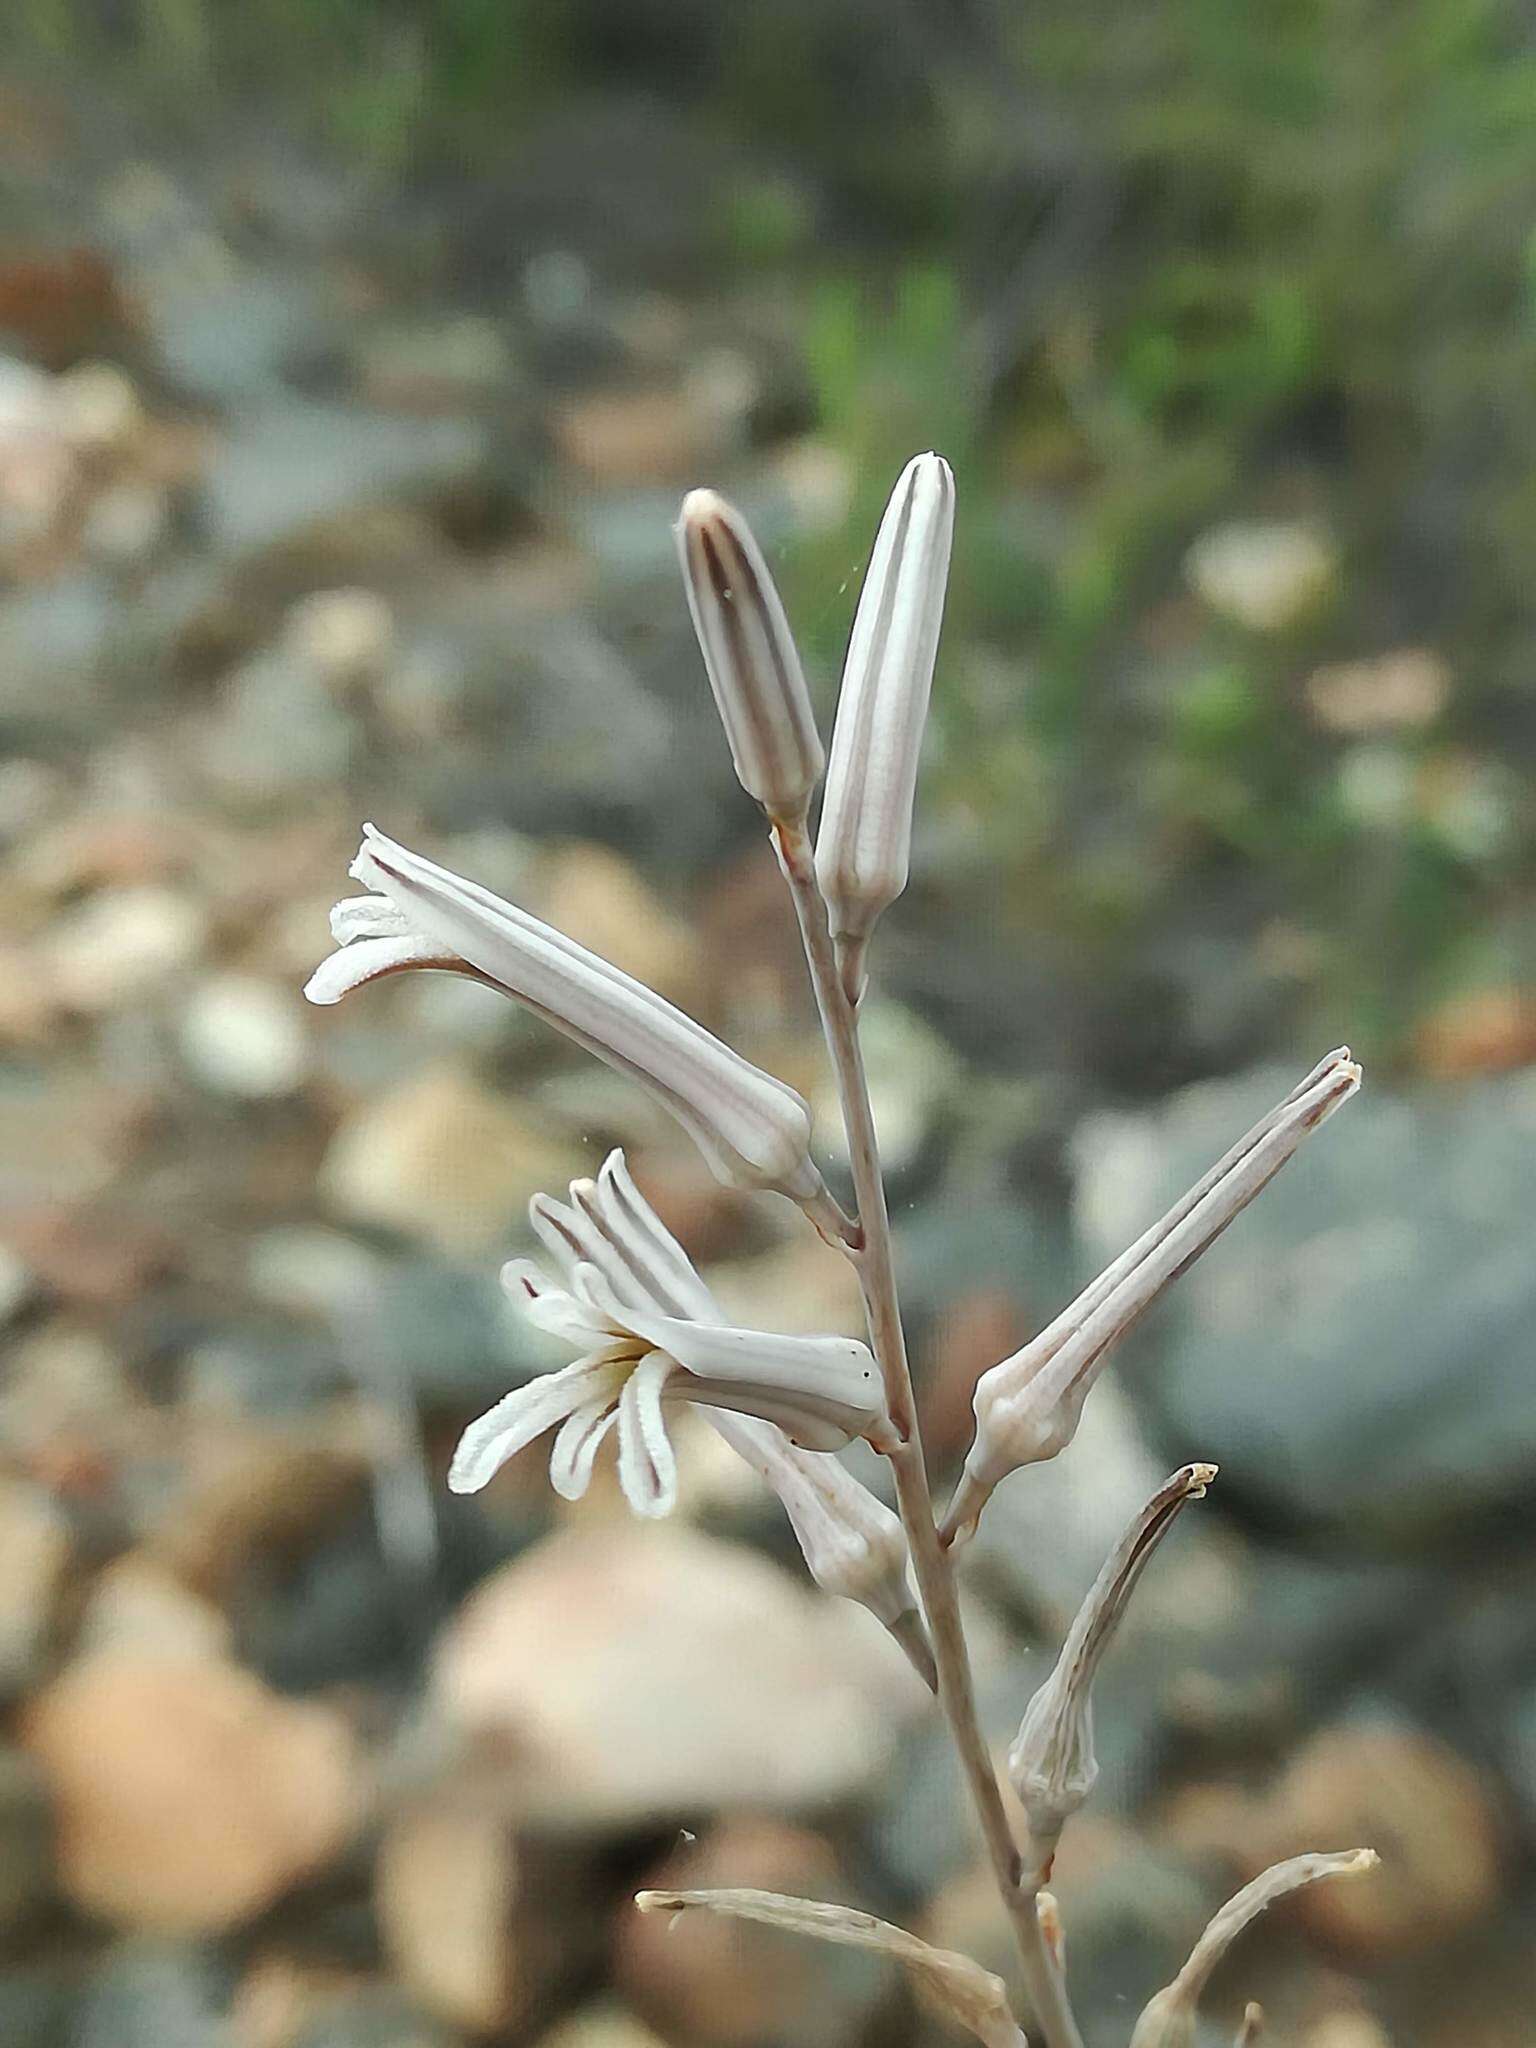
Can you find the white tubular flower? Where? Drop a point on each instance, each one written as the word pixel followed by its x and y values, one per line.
pixel 864 842
pixel 1052 1765
pixel 617 1265
pixel 1028 1407
pixel 1169 2020
pixel 750 657
pixel 754 1131
pixel 853 1545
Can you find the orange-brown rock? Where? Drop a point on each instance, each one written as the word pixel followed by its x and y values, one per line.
pixel 187 1795
pixel 1426 1811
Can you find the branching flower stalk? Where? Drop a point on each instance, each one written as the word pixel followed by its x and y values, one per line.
pixel 620 1290
pixel 874 1263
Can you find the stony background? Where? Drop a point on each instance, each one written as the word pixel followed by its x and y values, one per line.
pixel 351 365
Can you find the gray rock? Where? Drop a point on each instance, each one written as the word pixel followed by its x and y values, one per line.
pixel 277 726
pixel 26 1844
pixel 376 2018
pixel 150 1994
pixel 38 2008
pixel 293 460
pixel 52 641
pixel 1356 1352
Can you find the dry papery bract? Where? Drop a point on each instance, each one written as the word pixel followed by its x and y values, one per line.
pixel 967 1993
pixel 645 1333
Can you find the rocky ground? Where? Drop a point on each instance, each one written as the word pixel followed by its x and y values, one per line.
pixel 300 1752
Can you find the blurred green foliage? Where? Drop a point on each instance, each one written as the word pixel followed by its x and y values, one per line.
pixel 1141 268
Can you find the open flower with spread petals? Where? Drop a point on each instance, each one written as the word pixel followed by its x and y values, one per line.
pixel 635 1360
pixel 853 1545
pixel 754 1131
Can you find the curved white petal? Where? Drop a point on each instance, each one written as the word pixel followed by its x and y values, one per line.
pixel 552 1309
pixel 367 917
pixel 518 1418
pixel 363 960
pixel 577 1443
pixel 564 1234
pixel 647 1465
pixel 617 1207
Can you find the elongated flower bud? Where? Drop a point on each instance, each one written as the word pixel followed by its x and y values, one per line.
pixel 1052 1765
pixel 754 1131
pixel 971 1996
pixel 1169 2020
pixel 1028 1406
pixel 1252 2026
pixel 864 842
pixel 750 657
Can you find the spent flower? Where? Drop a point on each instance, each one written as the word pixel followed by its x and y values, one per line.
pixel 1028 1407
pixel 1052 1765
pixel 754 1131
pixel 1168 2021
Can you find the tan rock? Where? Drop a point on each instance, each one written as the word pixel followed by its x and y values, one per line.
pixel 442 1159
pixel 187 1795
pixel 1382 693
pixel 278 1999
pixel 738 1984
pixel 478 1926
pixel 1263 575
pixel 601 2026
pixel 633 437
pixel 139 1604
pixel 1426 1810
pixel 1346 2030
pixel 634 1672
pixel 121 944
pixel 245 1037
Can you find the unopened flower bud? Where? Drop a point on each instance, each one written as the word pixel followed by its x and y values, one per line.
pixel 750 657
pixel 1051 1764
pixel 1028 1406
pixel 1169 2020
pixel 864 842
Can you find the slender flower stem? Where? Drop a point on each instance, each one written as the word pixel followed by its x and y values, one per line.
pixel 870 1253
